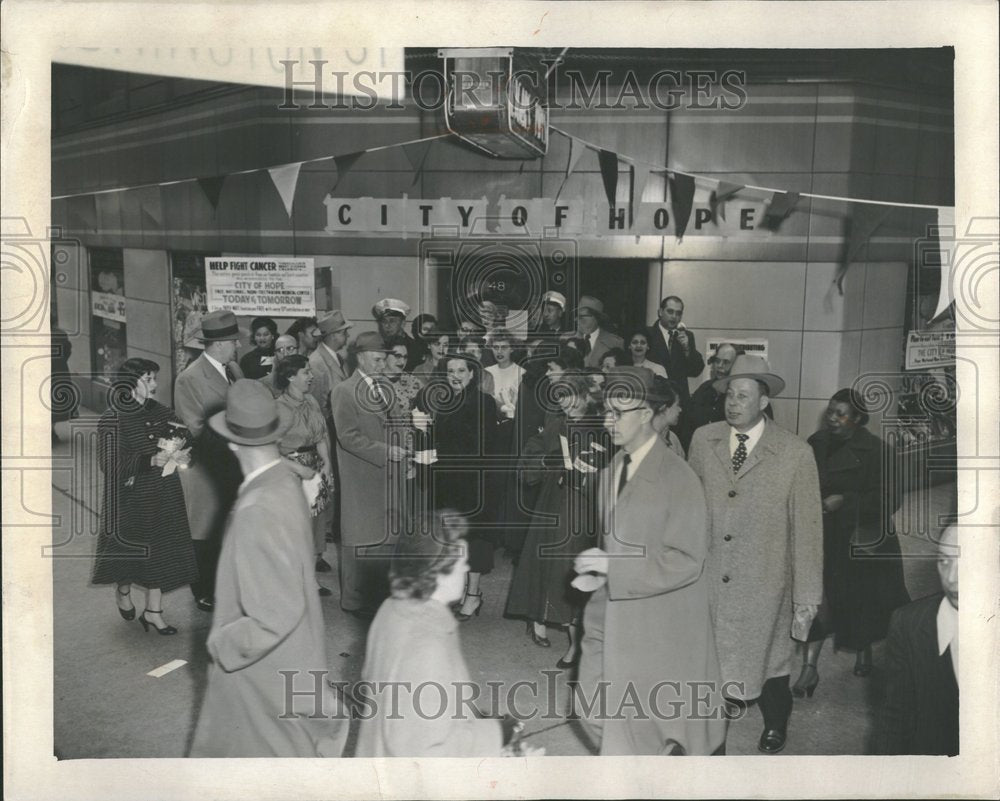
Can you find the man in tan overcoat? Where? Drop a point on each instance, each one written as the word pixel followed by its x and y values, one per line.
pixel 210 483
pixel 765 562
pixel 267 633
pixel 370 454
pixel 647 627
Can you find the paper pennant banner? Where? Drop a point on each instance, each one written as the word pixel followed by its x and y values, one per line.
pixel 344 164
pixel 858 229
pixel 212 187
pixel 778 209
pixel 81 213
pixel 151 208
pixel 946 241
pixel 681 202
pixel 285 179
pixel 718 198
pixel 416 154
pixel 576 149
pixel 609 174
pixel 638 177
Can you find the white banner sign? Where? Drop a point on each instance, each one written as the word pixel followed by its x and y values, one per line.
pixel 253 285
pixel 108 305
pixel 752 347
pixel 930 349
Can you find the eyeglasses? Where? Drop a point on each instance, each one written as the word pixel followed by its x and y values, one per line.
pixel 617 414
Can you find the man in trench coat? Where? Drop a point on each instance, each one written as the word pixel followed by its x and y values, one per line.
pixel 647 627
pixel 267 633
pixel 211 481
pixel 765 562
pixel 369 453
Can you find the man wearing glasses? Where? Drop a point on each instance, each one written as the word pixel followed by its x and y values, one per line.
pixel 648 669
pixel 590 323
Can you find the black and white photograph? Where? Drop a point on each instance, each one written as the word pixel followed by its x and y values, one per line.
pixel 507 398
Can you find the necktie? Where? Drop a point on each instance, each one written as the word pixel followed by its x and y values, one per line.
pixel 740 454
pixel 623 478
pixel 586 345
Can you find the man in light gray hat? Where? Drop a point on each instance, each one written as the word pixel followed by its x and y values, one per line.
pixel 268 620
pixel 553 308
pixel 590 323
pixel 369 460
pixel 329 369
pixel 211 481
pixel 326 361
pixel 765 562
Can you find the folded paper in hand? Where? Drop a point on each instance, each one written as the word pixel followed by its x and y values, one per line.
pixel 311 488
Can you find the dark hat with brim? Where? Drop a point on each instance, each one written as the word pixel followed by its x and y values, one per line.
pixel 631 384
pixel 755 367
pixel 250 416
pixel 369 342
pixel 219 326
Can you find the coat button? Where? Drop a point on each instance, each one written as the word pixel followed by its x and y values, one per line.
pixel 725 579
pixel 728 537
pixel 151 436
pixel 732 493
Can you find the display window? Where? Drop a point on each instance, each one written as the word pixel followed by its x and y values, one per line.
pixel 108 341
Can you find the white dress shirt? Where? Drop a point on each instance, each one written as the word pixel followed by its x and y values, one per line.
pixel 218 366
pixel 634 462
pixel 592 338
pixel 754 433
pixel 947 631
pixel 332 352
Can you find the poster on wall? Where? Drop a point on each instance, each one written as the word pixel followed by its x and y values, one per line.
pixel 256 285
pixel 754 346
pixel 926 349
pixel 108 305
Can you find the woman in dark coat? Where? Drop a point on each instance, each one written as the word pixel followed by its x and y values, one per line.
pixel 144 537
pixel 464 435
pixel 862 569
pixel 259 362
pixel 565 521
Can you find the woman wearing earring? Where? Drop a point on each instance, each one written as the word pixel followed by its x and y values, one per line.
pixel 862 568
pixel 144 537
pixel 305 444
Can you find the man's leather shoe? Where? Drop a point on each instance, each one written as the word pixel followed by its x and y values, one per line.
pixel 772 741
pixel 205 604
pixel 322 566
pixel 325 592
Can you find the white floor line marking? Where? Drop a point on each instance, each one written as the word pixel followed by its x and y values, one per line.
pixel 163 670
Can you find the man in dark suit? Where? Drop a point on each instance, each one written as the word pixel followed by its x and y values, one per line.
pixel 920 712
pixel 673 346
pixel 591 323
pixel 210 483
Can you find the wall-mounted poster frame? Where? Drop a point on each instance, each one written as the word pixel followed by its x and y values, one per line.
pixel 188 302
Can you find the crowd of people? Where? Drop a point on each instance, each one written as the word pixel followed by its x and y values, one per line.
pixel 693 551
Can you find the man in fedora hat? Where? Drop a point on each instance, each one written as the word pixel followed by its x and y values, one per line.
pixel 268 621
pixel 329 369
pixel 326 361
pixel 648 618
pixel 210 483
pixel 368 450
pixel 765 563
pixel 590 323
pixel 708 405
pixel 390 314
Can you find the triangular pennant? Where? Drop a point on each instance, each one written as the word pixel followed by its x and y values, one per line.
pixel 681 202
pixel 285 179
pixel 717 201
pixel 576 149
pixel 416 154
pixel 212 187
pixel 151 208
pixel 638 177
pixel 344 164
pixel 946 240
pixel 857 231
pixel 609 173
pixel 778 209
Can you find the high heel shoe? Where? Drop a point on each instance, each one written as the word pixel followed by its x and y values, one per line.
pixel 127 614
pixel 863 662
pixel 807 681
pixel 542 642
pixel 463 616
pixel 147 623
